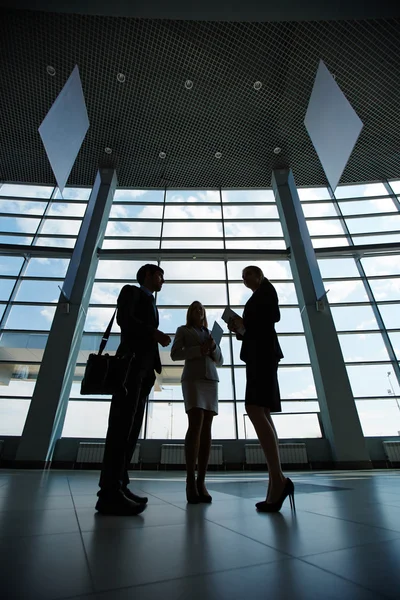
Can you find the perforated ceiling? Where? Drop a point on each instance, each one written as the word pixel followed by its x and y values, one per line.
pixel 153 112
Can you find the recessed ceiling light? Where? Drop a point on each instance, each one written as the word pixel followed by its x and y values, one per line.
pixel 162 155
pixel 277 150
pixel 107 150
pixel 257 85
pixel 188 84
pixel 218 154
pixel 51 71
pixel 121 77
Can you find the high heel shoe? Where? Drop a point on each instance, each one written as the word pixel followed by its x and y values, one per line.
pixel 270 507
pixel 203 497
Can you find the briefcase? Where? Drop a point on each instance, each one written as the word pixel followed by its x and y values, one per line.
pixel 105 374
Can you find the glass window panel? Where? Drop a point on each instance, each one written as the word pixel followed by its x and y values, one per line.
pixel 287 426
pixel 319 210
pixel 132 228
pixel 329 242
pixel 253 229
pixel 395 185
pixel 6 287
pixel 381 265
pixel 363 346
pixel 379 417
pixel 143 196
pixel 194 229
pixel 38 291
pixel 387 238
pixel 47 267
pixel 321 227
pixel 395 340
pixel 57 242
pixel 248 196
pixel 136 211
pixel 239 294
pixel 10 265
pixel 189 244
pixel 313 193
pixel 25 191
pixel 256 244
pixel 127 244
pixel 64 209
pixel 120 269
pixel 290 321
pixel 376 205
pixel 166 421
pixel 371 380
pixel 171 319
pixel 97 320
pixel 296 383
pixel 31 317
pixel 22 207
pixel 385 289
pixel 390 314
pixel 18 387
pixel 193 196
pixel 223 427
pixel 237 346
pixel 192 212
pixel 58 226
pixel 358 191
pixel 251 211
pixel 185 294
pixel 349 318
pixel 86 419
pixel 371 225
pixel 294 349
pixel 13 416
pixel 105 293
pixel 14 225
pixel 346 291
pixel 226 352
pixel 338 267
pixel 273 269
pixel 70 193
pixel 300 407
pixel 2 307
pixel 198 269
pixel 225 389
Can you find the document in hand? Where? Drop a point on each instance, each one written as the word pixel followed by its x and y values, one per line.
pixel 229 314
pixel 216 333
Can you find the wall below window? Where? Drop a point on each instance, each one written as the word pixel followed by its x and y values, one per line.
pixel 318 451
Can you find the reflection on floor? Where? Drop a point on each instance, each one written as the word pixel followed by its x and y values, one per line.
pixel 343 542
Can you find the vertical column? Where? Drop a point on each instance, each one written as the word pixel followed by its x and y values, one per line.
pixel 338 410
pixel 49 402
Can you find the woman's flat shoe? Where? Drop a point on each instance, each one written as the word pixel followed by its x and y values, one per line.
pixel 271 507
pixel 192 497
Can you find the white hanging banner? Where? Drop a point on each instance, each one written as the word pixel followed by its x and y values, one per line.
pixel 64 128
pixel 332 124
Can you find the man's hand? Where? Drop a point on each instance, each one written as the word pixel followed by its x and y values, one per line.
pixel 162 338
pixel 235 324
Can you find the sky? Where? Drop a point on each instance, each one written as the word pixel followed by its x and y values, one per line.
pixel 195 214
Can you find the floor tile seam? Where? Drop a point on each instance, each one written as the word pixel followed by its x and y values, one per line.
pixel 351 521
pixel 381 596
pixel 164 581
pixel 83 544
pixel 354 547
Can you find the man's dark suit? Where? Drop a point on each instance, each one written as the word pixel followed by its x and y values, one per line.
pixel 137 316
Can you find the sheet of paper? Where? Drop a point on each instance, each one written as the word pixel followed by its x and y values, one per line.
pixel 64 128
pixel 332 124
pixel 216 333
pixel 229 314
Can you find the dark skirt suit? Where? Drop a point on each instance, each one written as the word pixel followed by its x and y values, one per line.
pixel 260 348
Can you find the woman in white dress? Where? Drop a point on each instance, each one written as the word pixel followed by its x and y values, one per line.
pixel 193 344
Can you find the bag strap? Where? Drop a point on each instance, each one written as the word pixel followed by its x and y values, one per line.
pixel 106 335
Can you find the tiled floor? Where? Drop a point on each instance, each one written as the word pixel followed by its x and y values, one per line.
pixel 343 542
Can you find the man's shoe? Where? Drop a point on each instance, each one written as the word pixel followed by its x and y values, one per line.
pixel 139 499
pixel 118 504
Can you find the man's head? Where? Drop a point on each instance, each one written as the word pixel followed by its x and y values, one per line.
pixel 151 276
pixel 252 277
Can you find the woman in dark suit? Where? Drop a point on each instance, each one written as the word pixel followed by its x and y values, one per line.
pixel 261 353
